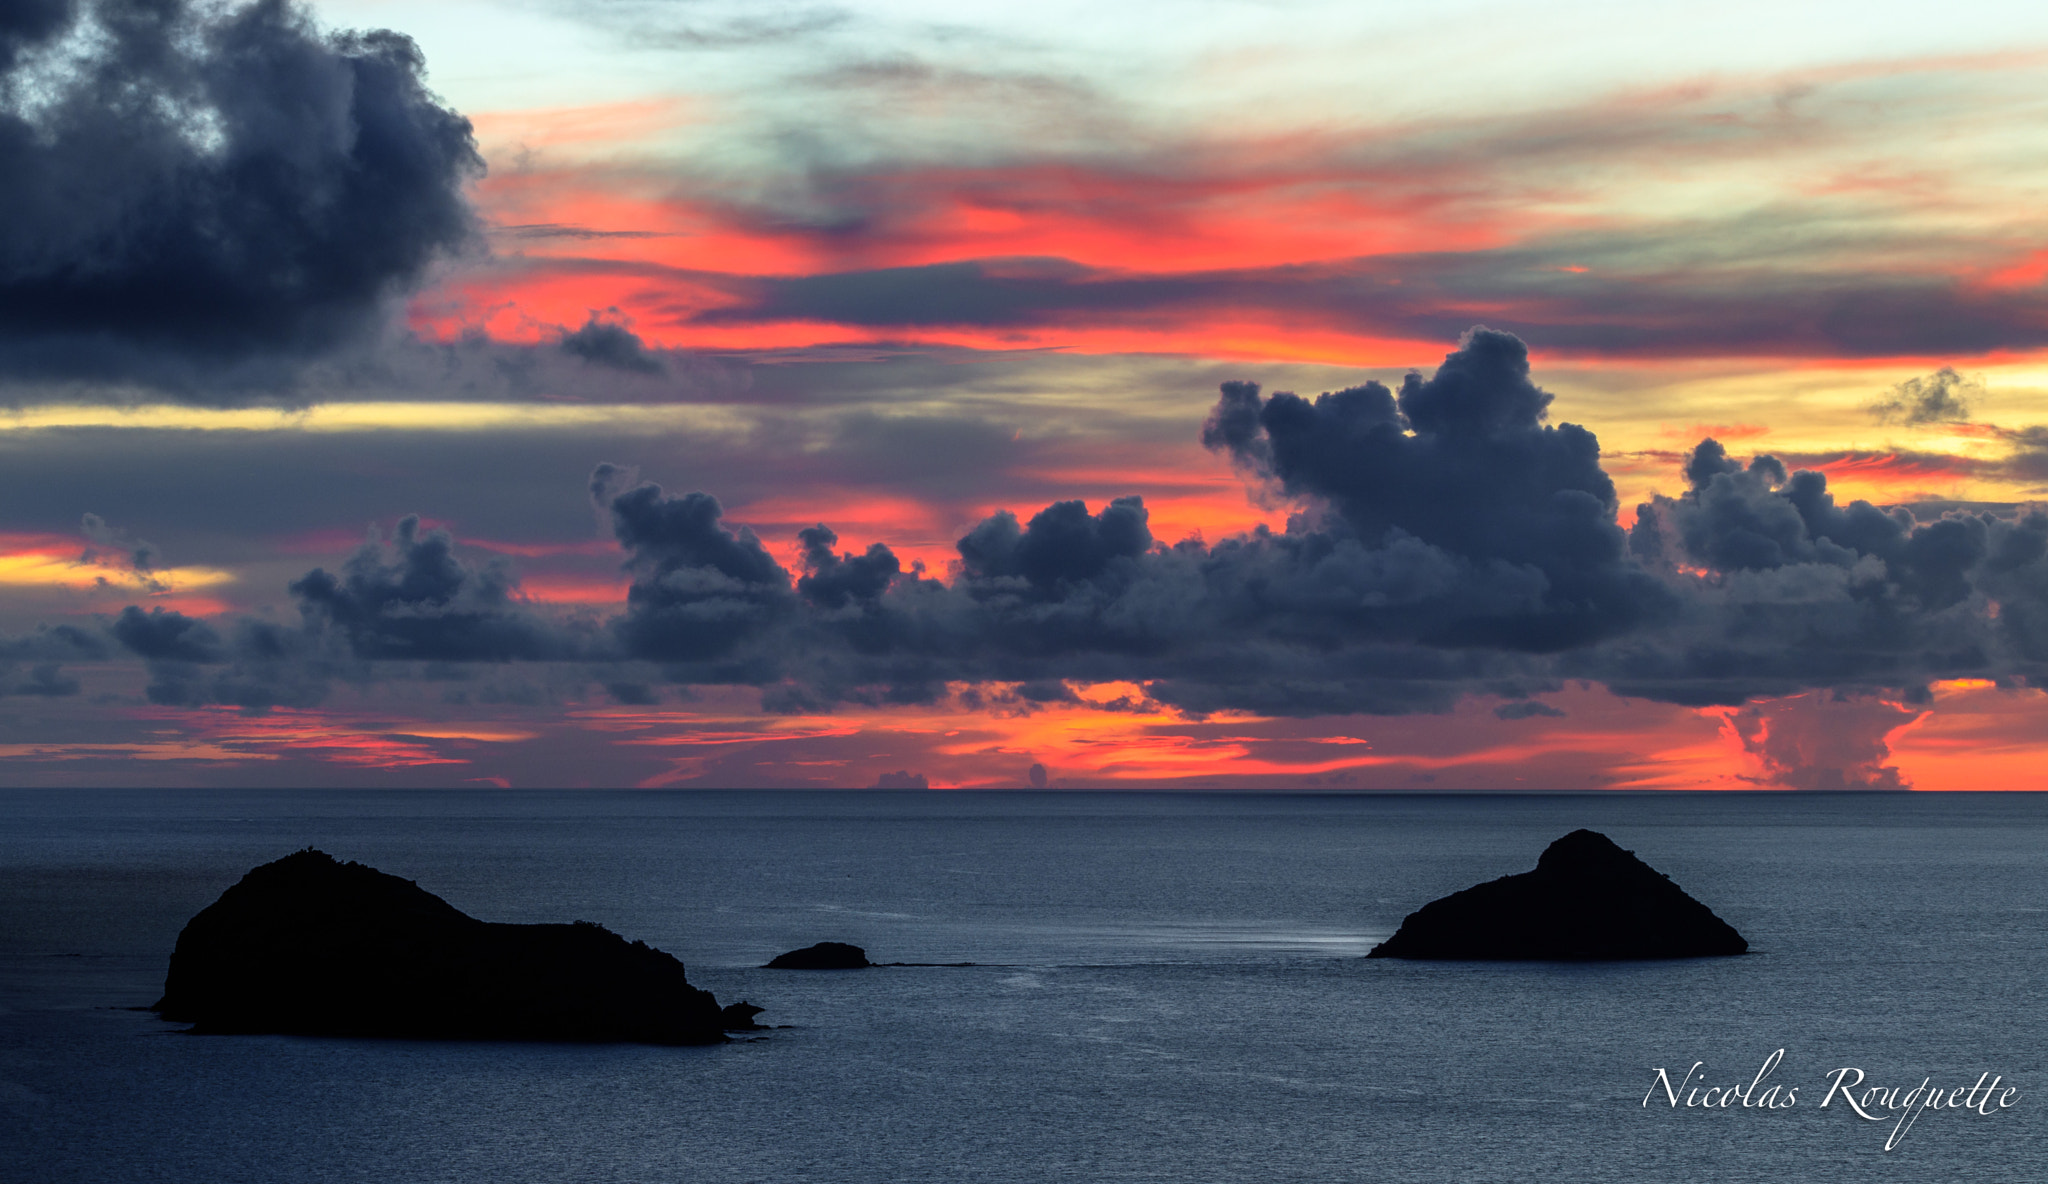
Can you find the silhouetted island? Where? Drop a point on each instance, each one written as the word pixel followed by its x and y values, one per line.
pixel 826 955
pixel 1587 900
pixel 311 946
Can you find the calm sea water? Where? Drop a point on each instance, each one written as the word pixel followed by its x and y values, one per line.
pixel 1170 988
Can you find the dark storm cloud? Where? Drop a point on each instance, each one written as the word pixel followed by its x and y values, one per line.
pixel 834 580
pixel 606 343
pixel 211 196
pixel 1463 464
pixel 33 664
pixel 167 636
pixel 26 23
pixel 406 608
pixel 1449 541
pixel 1801 592
pixel 415 600
pixel 1452 541
pixel 1063 546
pixel 256 666
pixel 701 592
pixel 1397 598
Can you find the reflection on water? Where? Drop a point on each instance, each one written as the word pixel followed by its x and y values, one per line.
pixel 1110 944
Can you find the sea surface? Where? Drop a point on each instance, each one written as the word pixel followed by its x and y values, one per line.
pixel 1168 988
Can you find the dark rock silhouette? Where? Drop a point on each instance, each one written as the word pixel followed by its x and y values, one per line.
pixel 1587 900
pixel 311 946
pixel 826 955
pixel 739 1017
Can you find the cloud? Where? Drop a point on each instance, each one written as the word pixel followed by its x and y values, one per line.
pixel 901 779
pixel 257 667
pixel 44 680
pixel 605 343
pixel 1434 556
pixel 1463 464
pixel 137 555
pixel 414 600
pixel 761 23
pixel 1091 223
pixel 833 581
pixel 1632 308
pixel 205 198
pixel 1783 590
pixel 45 652
pixel 61 643
pixel 167 636
pixel 1526 709
pixel 1941 397
pixel 2028 460
pixel 700 591
pixel 1446 541
pixel 1820 743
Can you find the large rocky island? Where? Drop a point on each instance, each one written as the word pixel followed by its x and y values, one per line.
pixel 1587 900
pixel 312 946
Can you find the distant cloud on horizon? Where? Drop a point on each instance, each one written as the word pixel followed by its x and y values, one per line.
pixel 1450 542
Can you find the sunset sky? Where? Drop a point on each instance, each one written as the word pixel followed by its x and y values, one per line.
pixel 363 400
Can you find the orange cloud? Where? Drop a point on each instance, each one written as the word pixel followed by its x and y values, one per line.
pixel 1977 737
pixel 1891 477
pixel 1202 216
pixel 60 561
pixel 338 738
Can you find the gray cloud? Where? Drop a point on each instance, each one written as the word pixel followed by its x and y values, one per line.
pixel 209 197
pixel 1941 397
pixel 1448 542
pixel 415 600
pixel 1542 292
pixel 44 653
pixel 701 592
pixel 607 343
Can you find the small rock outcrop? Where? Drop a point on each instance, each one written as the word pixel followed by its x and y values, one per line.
pixel 739 1017
pixel 826 955
pixel 312 946
pixel 1587 900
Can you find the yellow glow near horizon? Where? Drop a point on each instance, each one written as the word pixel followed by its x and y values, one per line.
pixel 378 416
pixel 38 569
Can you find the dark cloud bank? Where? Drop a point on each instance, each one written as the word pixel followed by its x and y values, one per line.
pixel 1448 541
pixel 202 198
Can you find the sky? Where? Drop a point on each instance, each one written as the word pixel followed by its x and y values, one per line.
pixel 1279 395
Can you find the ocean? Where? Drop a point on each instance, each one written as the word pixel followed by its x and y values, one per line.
pixel 1168 987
